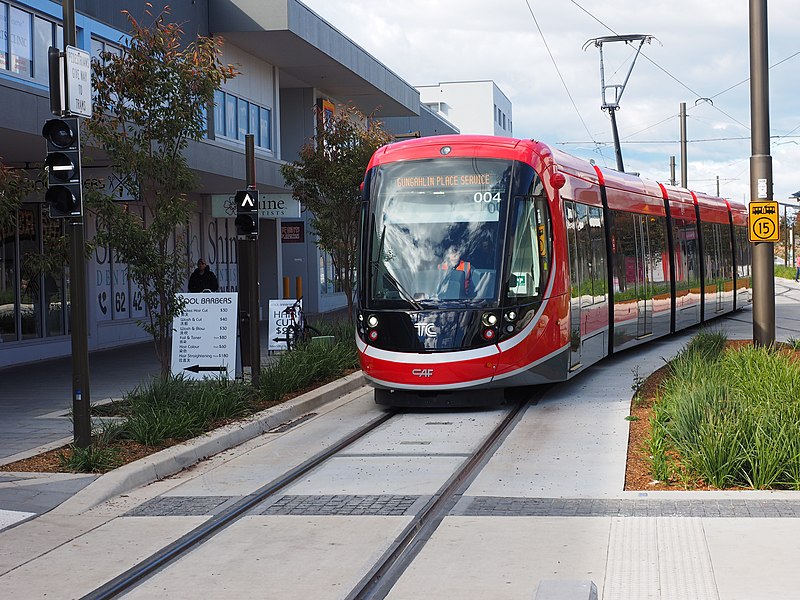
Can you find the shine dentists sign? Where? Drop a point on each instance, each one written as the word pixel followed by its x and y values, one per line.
pixel 270 206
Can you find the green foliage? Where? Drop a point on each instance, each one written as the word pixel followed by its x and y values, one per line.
pixel 149 103
pixel 94 459
pixel 176 408
pixel 327 178
pixel 309 364
pixel 785 271
pixel 732 416
pixel 15 185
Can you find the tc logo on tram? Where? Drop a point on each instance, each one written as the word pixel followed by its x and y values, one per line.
pixel 426 329
pixel 422 372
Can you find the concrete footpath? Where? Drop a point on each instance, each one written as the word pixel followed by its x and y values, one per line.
pixel 35 406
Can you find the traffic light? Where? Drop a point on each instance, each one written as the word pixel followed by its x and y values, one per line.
pixel 64 188
pixel 247 213
pixel 247 225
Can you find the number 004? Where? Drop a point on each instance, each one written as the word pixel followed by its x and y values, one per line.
pixel 486 197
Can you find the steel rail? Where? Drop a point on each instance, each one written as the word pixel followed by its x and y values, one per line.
pixel 388 569
pixel 160 559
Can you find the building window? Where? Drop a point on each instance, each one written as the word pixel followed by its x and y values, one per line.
pixel 43 39
pixel 24 41
pixel 3 36
pixel 230 116
pixel 242 120
pixel 264 120
pixel 253 124
pixel 219 112
pixel 20 42
pixel 235 117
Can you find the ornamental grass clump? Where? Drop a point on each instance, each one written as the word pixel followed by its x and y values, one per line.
pixel 177 408
pixel 731 416
pixel 309 364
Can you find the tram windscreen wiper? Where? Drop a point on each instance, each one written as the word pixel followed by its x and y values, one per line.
pixel 401 290
pixel 378 265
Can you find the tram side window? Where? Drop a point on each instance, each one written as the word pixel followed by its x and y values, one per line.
pixel 639 244
pixel 598 268
pixel 687 267
pixel 530 249
pixel 713 250
pixel 743 260
pixel 587 252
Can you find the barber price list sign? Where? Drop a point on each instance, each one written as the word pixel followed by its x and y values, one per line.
pixel 204 336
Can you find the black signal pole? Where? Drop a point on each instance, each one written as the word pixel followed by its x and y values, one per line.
pixel 81 399
pixel 761 175
pixel 248 279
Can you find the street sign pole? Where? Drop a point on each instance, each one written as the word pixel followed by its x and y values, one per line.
pixel 247 208
pixel 81 398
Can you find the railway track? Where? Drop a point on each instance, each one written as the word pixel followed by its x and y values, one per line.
pixel 378 580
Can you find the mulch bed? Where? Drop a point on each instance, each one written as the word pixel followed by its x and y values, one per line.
pixel 638 474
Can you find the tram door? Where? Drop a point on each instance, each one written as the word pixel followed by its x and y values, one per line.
pixel 717 265
pixel 577 258
pixel 644 279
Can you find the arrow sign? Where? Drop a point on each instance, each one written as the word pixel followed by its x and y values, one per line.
pixel 246 201
pixel 198 368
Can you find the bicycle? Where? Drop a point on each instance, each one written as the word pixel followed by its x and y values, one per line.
pixel 298 332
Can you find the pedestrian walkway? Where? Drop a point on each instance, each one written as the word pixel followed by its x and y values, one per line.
pixel 35 416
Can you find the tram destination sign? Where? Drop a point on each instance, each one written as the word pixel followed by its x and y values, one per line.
pixel 764 222
pixel 204 337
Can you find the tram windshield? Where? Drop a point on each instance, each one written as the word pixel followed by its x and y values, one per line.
pixel 435 233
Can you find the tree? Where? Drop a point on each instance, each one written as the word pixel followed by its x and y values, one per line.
pixel 15 185
pixel 149 102
pixel 327 179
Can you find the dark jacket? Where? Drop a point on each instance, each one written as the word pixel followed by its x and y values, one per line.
pixel 203 281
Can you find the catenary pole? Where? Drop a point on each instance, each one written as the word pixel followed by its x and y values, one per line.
pixel 761 175
pixel 684 160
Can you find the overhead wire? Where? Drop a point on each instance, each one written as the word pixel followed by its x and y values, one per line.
pixel 561 77
pixel 662 69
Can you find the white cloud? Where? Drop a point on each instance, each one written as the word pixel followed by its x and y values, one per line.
pixel 702 49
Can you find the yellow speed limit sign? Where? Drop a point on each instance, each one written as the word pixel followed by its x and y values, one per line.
pixel 764 222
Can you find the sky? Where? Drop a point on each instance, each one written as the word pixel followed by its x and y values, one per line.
pixel 534 51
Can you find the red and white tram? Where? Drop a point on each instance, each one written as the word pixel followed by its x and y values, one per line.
pixel 488 263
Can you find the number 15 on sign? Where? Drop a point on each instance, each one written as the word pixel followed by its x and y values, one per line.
pixel 764 222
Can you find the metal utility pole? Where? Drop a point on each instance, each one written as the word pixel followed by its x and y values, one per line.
pixel 761 174
pixel 249 309
pixel 684 160
pixel 672 170
pixel 613 105
pixel 81 399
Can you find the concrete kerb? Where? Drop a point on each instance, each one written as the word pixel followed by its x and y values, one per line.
pixel 176 458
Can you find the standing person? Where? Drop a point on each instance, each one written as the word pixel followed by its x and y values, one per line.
pixel 203 278
pixel 797 264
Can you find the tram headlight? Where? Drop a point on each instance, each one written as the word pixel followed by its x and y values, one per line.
pixel 489 319
pixel 372 321
pixel 511 315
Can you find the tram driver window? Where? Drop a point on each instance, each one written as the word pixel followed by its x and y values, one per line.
pixel 530 249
